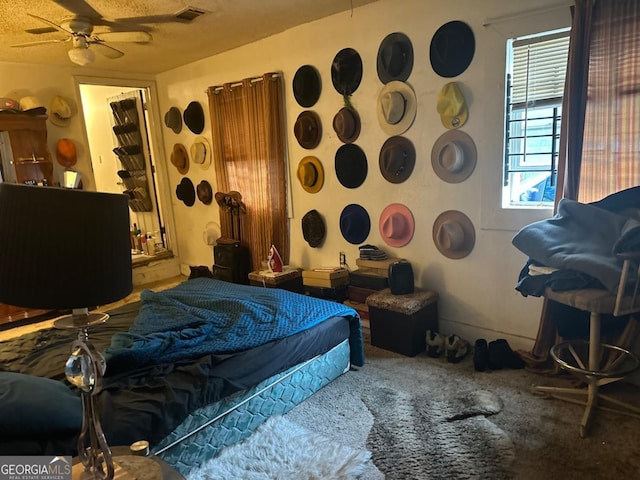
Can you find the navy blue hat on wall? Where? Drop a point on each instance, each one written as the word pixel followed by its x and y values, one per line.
pixel 351 165
pixel 452 49
pixel 355 224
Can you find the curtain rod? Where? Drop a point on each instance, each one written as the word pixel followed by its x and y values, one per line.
pixel 239 83
pixel 526 13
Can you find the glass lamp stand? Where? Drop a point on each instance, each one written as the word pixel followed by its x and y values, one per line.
pixel 85 369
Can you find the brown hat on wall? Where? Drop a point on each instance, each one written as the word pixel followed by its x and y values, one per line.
pixel 313 228
pixel 454 234
pixel 397 159
pixel 205 193
pixel 346 124
pixel 308 129
pixel 180 158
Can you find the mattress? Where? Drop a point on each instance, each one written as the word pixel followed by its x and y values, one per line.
pixel 206 431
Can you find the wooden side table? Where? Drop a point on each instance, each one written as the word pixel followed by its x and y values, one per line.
pixel 290 279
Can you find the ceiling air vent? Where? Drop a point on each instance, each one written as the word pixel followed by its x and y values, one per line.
pixel 189 13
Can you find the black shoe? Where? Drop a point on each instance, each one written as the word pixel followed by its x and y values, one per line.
pixel 481 355
pixel 501 356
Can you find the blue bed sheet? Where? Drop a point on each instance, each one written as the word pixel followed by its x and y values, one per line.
pixel 204 316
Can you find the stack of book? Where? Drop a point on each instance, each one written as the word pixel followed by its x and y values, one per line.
pixel 328 277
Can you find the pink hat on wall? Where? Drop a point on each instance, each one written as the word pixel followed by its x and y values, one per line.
pixel 396 225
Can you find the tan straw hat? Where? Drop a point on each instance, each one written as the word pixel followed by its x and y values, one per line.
pixel 454 234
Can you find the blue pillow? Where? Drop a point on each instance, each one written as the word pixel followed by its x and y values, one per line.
pixel 36 405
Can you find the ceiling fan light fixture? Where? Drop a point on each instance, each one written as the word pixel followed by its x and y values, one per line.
pixel 81 56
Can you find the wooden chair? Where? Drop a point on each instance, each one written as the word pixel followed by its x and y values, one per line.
pixel 593 361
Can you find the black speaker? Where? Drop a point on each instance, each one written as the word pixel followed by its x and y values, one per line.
pixel 401 278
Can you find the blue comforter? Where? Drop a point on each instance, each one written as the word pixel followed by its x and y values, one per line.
pixel 203 316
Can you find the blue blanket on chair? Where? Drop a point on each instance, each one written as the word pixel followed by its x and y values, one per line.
pixel 203 316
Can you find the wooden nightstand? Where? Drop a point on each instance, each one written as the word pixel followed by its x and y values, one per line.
pixel 290 279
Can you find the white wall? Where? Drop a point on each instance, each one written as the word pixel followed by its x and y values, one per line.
pixel 477 296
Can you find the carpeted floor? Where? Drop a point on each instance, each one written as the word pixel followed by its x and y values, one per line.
pixel 425 418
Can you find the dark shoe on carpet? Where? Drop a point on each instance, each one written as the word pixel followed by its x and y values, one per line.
pixel 435 344
pixel 501 356
pixel 481 355
pixel 456 348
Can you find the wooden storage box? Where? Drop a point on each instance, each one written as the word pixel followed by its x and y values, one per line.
pixel 399 322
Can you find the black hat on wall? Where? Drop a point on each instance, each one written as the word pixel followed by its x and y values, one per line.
pixel 395 58
pixel 346 71
pixel 351 165
pixel 194 117
pixel 186 192
pixel 307 86
pixel 452 49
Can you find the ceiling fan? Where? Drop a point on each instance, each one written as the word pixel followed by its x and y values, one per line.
pixel 83 41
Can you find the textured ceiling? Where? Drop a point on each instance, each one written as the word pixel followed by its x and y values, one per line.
pixel 225 25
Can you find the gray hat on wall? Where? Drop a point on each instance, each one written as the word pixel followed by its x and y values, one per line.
pixel 453 156
pixel 173 119
pixel 395 58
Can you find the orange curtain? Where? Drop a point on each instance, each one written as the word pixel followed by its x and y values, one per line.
pixel 248 131
pixel 612 116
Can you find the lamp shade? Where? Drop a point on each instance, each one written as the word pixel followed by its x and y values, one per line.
pixel 63 248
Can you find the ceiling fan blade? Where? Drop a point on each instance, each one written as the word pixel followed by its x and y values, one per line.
pixel 136 37
pixel 106 50
pixel 81 8
pixel 39 42
pixel 50 23
pixel 41 30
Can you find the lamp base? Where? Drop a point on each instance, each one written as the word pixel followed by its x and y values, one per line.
pixel 126 467
pixel 81 321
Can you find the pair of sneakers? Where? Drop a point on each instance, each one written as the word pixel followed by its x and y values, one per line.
pixel 452 346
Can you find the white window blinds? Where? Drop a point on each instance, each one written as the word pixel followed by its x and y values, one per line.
pixel 538 69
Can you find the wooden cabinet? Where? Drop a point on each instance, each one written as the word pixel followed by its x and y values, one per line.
pixel 28 138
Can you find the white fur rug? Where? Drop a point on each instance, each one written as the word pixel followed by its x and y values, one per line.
pixel 283 450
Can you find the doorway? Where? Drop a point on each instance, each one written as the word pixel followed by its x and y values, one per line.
pixel 117 169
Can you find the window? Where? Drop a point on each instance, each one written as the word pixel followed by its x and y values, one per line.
pixel 536 67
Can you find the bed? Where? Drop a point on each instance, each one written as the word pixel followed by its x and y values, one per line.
pixel 190 369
